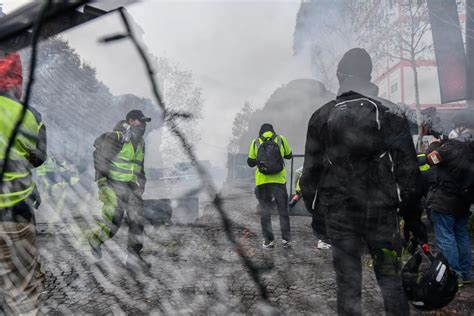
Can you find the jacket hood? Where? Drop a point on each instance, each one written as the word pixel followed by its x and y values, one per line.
pixel 358 85
pixel 265 129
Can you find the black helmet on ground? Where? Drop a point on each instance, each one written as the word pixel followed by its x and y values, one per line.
pixel 428 281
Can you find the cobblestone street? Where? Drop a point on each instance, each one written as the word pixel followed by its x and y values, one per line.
pixel 196 271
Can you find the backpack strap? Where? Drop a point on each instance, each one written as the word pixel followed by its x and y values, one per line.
pixel 274 136
pixel 119 135
pixel 257 143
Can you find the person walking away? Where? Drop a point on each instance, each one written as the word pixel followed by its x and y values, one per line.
pixel 360 164
pixel 21 276
pixel 120 175
pixel 450 197
pixel 266 153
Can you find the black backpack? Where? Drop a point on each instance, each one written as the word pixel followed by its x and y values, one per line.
pixel 269 159
pixel 97 154
pixel 354 128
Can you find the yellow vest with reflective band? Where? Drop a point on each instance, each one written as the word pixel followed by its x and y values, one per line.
pixel 424 167
pixel 127 164
pixel 17 180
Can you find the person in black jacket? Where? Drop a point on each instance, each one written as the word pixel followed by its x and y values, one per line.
pixel 450 196
pixel 359 179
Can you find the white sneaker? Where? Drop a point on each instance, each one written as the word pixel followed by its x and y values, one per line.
pixel 323 245
pixel 268 245
pixel 286 243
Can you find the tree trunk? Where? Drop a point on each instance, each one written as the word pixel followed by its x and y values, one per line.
pixel 417 106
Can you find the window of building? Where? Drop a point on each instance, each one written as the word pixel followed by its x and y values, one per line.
pixel 394 87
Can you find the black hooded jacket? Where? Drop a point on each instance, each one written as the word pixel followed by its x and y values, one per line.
pixel 451 191
pixel 358 188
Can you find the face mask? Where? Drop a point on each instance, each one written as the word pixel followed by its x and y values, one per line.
pixel 138 131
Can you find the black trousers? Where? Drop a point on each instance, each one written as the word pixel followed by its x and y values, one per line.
pixel 347 264
pixel 18 213
pixel 266 194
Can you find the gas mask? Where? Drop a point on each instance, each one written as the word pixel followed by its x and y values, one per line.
pixel 138 131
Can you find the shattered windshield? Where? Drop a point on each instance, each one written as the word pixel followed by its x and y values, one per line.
pixel 249 157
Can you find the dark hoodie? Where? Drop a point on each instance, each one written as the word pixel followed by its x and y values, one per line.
pixel 266 128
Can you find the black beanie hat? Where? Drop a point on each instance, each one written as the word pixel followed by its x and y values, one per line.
pixel 356 62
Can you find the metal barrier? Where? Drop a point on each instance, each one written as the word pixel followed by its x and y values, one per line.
pixel 291 171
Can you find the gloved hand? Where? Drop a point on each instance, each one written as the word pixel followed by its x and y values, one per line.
pixel 294 200
pixel 417 229
pixel 139 190
pixel 102 182
pixel 36 158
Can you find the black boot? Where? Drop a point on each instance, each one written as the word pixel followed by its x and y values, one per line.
pixel 95 247
pixel 135 262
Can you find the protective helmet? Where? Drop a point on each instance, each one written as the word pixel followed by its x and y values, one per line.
pixel 428 281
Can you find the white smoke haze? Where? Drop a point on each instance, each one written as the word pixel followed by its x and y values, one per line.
pixel 236 51
pixel 272 62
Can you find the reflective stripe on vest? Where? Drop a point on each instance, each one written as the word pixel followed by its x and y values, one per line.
pixel 17 180
pixel 127 164
pixel 424 167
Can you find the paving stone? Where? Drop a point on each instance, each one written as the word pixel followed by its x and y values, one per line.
pixel 195 270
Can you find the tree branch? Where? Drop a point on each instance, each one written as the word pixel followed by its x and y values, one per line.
pixel 422 33
pixel 398 57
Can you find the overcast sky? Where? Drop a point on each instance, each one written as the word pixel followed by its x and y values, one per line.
pixel 236 50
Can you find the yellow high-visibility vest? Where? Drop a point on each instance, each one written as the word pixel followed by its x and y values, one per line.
pixel 17 180
pixel 127 164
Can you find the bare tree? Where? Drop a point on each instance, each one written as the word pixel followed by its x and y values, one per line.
pixel 324 31
pixel 181 96
pixel 405 37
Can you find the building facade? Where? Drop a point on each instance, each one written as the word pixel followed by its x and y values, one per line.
pixel 396 33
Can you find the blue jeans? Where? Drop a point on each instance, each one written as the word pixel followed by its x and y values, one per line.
pixel 452 237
